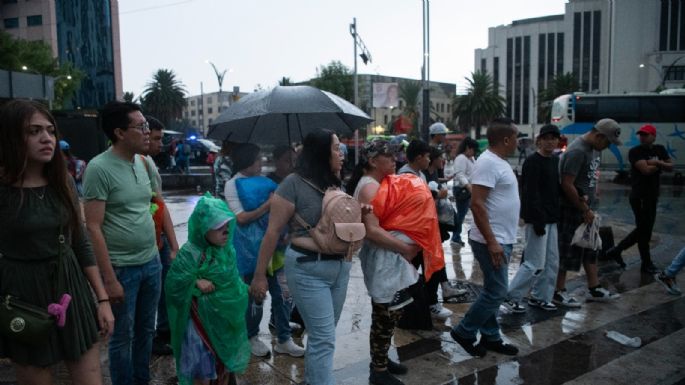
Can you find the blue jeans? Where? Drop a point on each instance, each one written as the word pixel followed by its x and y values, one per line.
pixel 482 315
pixel 459 215
pixel 319 289
pixel 540 266
pixel 677 264
pixel 281 312
pixel 165 258
pixel 130 346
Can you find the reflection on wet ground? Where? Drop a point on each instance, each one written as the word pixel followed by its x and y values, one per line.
pixel 555 347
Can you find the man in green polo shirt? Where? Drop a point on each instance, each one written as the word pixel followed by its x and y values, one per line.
pixel 117 191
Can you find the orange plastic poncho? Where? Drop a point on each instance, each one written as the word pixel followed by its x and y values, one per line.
pixel 404 203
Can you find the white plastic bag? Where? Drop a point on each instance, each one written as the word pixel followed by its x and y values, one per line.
pixel 587 235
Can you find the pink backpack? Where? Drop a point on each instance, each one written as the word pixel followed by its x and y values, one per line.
pixel 340 229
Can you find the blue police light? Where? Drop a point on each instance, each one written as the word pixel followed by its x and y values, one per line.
pixel 192 137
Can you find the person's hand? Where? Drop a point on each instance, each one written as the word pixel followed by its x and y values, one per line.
pixel 105 319
pixel 588 216
pixel 411 252
pixel 366 208
pixel 115 292
pixel 539 229
pixel 172 254
pixel 258 287
pixel 496 254
pixel 205 286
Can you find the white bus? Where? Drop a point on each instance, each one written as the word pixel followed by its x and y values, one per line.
pixel 576 113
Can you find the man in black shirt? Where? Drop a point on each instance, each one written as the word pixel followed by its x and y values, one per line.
pixel 540 210
pixel 647 161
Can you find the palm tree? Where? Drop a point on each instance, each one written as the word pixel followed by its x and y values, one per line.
pixel 562 84
pixel 410 92
pixel 128 96
pixel 164 97
pixel 481 103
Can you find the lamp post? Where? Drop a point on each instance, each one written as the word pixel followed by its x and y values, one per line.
pixel 220 79
pixel 366 57
pixel 663 75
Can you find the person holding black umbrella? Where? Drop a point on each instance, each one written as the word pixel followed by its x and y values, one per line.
pixel 317 282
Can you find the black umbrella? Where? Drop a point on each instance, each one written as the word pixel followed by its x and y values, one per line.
pixel 286 114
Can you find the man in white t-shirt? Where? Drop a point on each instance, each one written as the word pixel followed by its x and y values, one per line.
pixel 495 205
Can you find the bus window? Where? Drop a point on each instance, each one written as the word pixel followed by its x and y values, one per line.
pixel 619 109
pixel 586 110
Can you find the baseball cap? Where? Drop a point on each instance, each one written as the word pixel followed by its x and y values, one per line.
pixel 219 224
pixel 437 129
pixel 647 129
pixel 550 129
pixel 378 147
pixel 610 129
pixel 63 145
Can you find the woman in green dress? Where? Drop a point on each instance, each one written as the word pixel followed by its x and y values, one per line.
pixel 44 250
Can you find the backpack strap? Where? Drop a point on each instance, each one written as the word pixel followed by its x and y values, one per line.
pixel 298 217
pixel 311 184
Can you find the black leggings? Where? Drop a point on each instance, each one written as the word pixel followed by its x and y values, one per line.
pixel 644 210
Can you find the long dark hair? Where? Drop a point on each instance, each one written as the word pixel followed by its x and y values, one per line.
pixel 14 119
pixel 314 161
pixel 359 170
pixel 467 143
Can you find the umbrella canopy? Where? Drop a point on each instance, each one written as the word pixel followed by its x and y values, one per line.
pixel 286 114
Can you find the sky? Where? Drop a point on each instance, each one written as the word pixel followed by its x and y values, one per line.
pixel 261 41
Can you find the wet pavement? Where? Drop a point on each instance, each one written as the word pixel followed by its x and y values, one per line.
pixel 562 346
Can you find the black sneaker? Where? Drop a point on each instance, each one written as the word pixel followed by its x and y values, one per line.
pixel 393 367
pixel 161 348
pixel 468 345
pixel 498 347
pixel 400 300
pixel 561 298
pixel 542 305
pixel 396 367
pixel 600 294
pixel 383 378
pixel 615 254
pixel 649 268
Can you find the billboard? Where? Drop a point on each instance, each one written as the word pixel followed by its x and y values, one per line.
pixel 385 95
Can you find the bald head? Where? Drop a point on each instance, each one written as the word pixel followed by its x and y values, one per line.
pixel 499 129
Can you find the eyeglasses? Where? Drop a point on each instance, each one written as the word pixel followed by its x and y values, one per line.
pixel 143 127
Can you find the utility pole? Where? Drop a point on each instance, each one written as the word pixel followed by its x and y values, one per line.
pixel 425 76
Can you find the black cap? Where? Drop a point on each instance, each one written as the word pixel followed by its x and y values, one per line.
pixel 550 129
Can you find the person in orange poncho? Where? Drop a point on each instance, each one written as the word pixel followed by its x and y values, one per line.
pixel 385 257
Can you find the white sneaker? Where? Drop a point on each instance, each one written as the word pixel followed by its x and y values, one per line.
pixel 601 294
pixel 259 349
pixel 449 291
pixel 289 347
pixel 439 312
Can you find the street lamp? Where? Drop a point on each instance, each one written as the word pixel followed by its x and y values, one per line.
pixel 366 57
pixel 663 75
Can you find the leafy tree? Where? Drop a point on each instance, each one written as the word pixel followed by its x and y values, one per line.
pixel 481 103
pixel 285 81
pixel 562 84
pixel 37 57
pixel 164 97
pixel 336 78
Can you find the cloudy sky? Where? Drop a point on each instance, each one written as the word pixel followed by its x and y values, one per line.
pixel 260 41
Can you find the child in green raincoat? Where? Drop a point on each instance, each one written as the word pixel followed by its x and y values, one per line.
pixel 207 300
